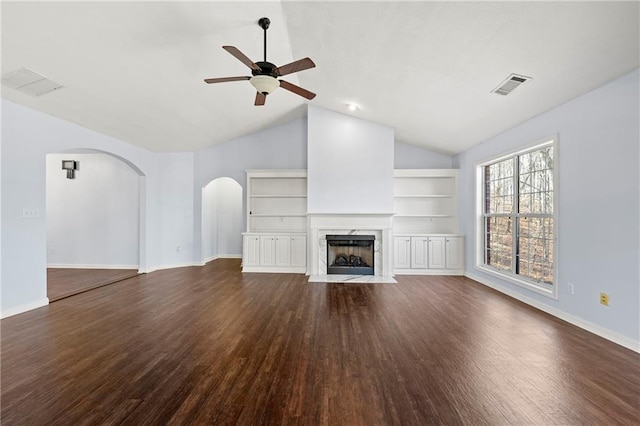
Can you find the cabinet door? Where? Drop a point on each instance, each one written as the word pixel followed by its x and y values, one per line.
pixel 402 252
pixel 267 250
pixel 251 251
pixel 454 252
pixel 436 253
pixel 299 251
pixel 283 251
pixel 419 250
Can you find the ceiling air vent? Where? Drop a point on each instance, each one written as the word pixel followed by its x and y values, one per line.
pixel 507 86
pixel 30 82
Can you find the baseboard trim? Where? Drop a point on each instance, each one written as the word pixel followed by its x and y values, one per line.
pixel 276 269
pixel 162 267
pixel 428 272
pixel 603 332
pixel 209 259
pixel 24 308
pixel 89 266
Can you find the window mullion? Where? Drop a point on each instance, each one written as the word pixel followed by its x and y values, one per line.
pixel 515 211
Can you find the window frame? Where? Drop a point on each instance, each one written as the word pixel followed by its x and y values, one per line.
pixel 480 260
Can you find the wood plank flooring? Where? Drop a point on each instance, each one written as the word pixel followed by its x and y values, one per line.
pixel 210 345
pixel 65 282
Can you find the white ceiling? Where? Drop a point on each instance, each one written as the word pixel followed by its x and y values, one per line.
pixel 134 70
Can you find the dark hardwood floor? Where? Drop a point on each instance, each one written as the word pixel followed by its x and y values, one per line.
pixel 65 282
pixel 210 345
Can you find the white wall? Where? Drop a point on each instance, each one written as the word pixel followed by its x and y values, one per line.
pixel 92 220
pixel 176 209
pixel 280 147
pixel 350 164
pixel 230 219
pixel 27 137
pixel 599 207
pixel 412 157
pixel 209 222
pixel 222 219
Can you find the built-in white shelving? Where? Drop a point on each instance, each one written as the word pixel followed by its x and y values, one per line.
pixel 425 224
pixel 275 240
pixel 425 201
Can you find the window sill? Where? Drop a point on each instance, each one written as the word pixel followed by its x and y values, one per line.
pixel 529 285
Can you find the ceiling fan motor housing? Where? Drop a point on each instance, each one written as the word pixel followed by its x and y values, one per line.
pixel 266 68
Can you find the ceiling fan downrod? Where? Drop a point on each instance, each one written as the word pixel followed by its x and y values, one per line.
pixel 264 24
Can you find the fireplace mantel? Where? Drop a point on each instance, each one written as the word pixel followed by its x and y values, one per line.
pixel 323 224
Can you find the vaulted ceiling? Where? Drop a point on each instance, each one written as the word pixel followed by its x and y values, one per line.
pixel 135 70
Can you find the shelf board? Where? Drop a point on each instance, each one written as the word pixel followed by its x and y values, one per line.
pixel 278 231
pixel 422 196
pixel 277 215
pixel 423 215
pixel 279 196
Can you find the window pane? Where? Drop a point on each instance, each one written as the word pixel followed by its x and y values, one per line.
pixel 535 248
pixel 536 181
pixel 499 187
pixel 499 239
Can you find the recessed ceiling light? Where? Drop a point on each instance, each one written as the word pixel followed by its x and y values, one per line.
pixel 352 106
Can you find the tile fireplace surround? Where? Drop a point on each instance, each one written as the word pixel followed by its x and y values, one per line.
pixel 376 224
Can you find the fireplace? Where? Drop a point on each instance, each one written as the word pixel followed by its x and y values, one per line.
pixel 350 254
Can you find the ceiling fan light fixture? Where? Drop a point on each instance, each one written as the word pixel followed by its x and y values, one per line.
pixel 264 84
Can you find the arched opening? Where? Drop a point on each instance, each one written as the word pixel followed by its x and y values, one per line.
pixel 94 221
pixel 222 219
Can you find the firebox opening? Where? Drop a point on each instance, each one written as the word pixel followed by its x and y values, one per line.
pixel 350 254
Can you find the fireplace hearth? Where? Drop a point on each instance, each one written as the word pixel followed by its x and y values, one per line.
pixel 350 254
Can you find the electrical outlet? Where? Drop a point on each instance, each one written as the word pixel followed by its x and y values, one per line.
pixel 30 213
pixel 52 250
pixel 604 299
pixel 570 288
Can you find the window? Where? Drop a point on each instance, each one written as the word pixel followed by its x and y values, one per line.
pixel 517 214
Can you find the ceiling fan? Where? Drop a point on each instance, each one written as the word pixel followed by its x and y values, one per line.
pixel 265 74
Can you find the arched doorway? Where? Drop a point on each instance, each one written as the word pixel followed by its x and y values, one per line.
pixel 93 222
pixel 222 219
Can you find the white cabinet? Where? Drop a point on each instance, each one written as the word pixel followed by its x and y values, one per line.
pixel 436 253
pixel 251 250
pixel 454 247
pixel 267 250
pixel 402 252
pixel 274 253
pixel 429 254
pixel 419 252
pixel 283 250
pixel 299 251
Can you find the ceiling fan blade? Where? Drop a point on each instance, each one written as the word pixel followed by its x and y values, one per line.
pixel 223 79
pixel 260 99
pixel 299 65
pixel 297 90
pixel 241 57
